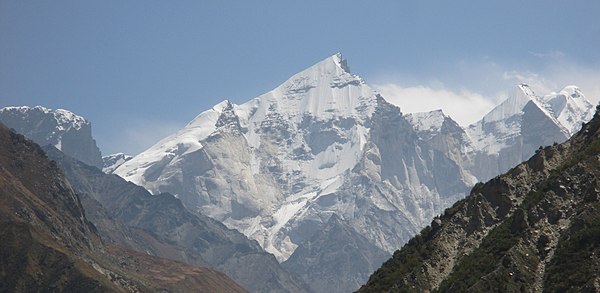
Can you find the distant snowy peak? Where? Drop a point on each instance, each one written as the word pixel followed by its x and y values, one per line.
pixel 570 107
pixel 512 131
pixel 68 132
pixel 427 121
pixel 324 90
pixel 514 105
pixel 113 161
pixel 267 157
pixel 65 119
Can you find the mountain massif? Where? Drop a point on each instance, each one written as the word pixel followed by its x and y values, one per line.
pixel 322 172
pixel 48 245
pixel 535 228
pixel 324 143
pixel 279 166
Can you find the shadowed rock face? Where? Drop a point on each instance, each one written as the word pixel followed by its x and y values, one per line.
pixel 49 245
pixel 534 228
pixel 159 224
pixel 336 250
pixel 66 131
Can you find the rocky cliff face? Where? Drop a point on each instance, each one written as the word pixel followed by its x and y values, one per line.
pixel 534 228
pixel 70 133
pixel 49 245
pixel 128 215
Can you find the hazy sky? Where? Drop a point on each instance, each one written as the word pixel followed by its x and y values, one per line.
pixel 139 70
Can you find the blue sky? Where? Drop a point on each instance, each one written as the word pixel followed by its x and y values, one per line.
pixel 139 70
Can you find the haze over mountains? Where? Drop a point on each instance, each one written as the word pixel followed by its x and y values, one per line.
pixel 322 171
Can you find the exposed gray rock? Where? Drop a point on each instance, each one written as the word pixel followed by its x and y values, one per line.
pixel 336 258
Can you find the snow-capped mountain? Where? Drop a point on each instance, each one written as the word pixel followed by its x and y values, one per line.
pixel 323 143
pixel 113 161
pixel 68 132
pixel 511 132
pixel 279 166
pixel 444 134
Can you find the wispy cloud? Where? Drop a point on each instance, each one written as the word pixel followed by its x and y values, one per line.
pixel 474 87
pixel 465 107
pixel 549 54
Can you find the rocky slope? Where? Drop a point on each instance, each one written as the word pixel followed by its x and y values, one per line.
pixel 329 258
pixel 111 162
pixel 68 132
pixel 49 245
pixel 534 228
pixel 130 216
pixel 279 166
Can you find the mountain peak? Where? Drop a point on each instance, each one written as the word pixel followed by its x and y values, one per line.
pixel 526 89
pixel 326 89
pixel 61 128
pixel 427 121
pixel 341 62
pixel 572 91
pixel 521 95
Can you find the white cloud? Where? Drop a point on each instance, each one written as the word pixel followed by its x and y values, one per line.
pixel 549 54
pixel 473 87
pixel 464 106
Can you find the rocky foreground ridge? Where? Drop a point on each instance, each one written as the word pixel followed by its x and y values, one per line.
pixel 48 245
